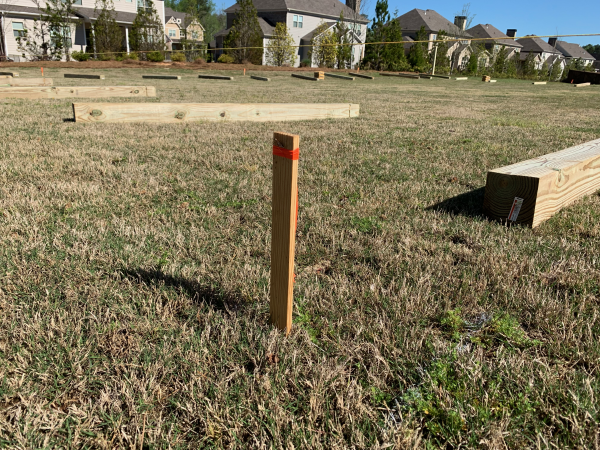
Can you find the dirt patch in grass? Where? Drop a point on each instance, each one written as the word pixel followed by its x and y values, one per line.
pixel 134 271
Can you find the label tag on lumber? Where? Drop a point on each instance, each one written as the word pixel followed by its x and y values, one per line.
pixel 516 208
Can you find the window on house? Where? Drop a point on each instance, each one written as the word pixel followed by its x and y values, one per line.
pixel 195 35
pixel 63 37
pixel 298 21
pixel 18 29
pixel 172 33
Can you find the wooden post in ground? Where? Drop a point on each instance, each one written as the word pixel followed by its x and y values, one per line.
pixel 283 233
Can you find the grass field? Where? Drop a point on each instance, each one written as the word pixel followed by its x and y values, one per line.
pixel 134 265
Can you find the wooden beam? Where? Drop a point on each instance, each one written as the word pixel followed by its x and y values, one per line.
pixel 320 75
pixel 461 78
pixel 30 82
pixel 540 187
pixel 256 77
pixel 444 77
pixel 5 76
pixel 83 75
pixel 12 74
pixel 162 77
pixel 215 77
pixel 582 84
pixel 341 77
pixel 210 112
pixel 283 229
pixel 401 75
pixel 539 82
pixel 305 77
pixel 77 91
pixel 360 75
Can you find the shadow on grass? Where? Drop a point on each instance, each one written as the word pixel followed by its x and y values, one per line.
pixel 211 295
pixel 69 120
pixel 469 204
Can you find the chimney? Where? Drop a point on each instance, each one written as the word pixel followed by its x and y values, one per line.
pixel 511 32
pixel 552 41
pixel 461 22
pixel 354 5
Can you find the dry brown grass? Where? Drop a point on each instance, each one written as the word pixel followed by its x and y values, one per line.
pixel 134 265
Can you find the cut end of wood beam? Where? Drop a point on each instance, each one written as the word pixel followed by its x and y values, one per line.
pixel 215 77
pixel 162 77
pixel 83 75
pixel 211 112
pixel 256 77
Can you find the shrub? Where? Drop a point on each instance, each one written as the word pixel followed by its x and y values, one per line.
pixel 132 56
pixel 178 57
pixel 305 63
pixel 80 56
pixel 199 61
pixel 155 56
pixel 225 59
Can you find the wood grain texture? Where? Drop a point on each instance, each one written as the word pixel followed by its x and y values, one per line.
pixel 84 75
pixel 5 76
pixel 400 75
pixel 31 82
pixel 215 77
pixel 283 232
pixel 256 77
pixel 320 75
pixel 12 74
pixel 360 75
pixel 77 91
pixel 546 184
pixel 162 77
pixel 341 77
pixel 305 77
pixel 212 112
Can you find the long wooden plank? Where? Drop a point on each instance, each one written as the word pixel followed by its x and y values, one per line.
pixel 162 77
pixel 341 77
pixel 582 84
pixel 30 82
pixel 305 77
pixel 540 187
pixel 212 112
pixel 461 78
pixel 360 75
pixel 84 75
pixel 443 77
pixel 5 76
pixel 283 229
pixel 215 77
pixel 539 82
pixel 256 77
pixel 12 74
pixel 77 91
pixel 401 75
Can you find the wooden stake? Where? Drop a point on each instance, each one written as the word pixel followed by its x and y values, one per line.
pixel 283 232
pixel 244 72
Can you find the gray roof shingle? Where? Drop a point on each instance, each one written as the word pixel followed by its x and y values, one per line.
pixel 431 20
pixel 573 50
pixel 266 28
pixel 536 45
pixel 90 13
pixel 328 8
pixel 490 31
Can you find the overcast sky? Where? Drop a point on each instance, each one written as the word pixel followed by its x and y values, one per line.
pixel 528 17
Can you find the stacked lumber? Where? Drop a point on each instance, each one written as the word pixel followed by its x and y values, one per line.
pixel 532 191
pixel 486 79
pixel 320 75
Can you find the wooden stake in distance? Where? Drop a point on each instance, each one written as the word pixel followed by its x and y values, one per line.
pixel 244 72
pixel 283 234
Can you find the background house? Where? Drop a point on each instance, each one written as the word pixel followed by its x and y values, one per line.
pixel 572 51
pixel 540 49
pixel 180 26
pixel 301 17
pixel 495 40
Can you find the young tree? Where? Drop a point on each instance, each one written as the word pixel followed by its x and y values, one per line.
pixel 280 50
pixel 556 70
pixel 344 49
pixel 442 61
pixel 58 14
pixel 528 67
pixel 245 37
pixel 36 43
pixel 511 67
pixel 500 61
pixel 417 56
pixel 108 38
pixel 323 51
pixel 376 33
pixel 147 31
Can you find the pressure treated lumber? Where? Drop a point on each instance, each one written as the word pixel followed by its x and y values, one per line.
pixel 77 91
pixel 360 75
pixel 461 78
pixel 256 77
pixel 84 75
pixel 215 77
pixel 320 75
pixel 582 84
pixel 539 82
pixel 341 77
pixel 30 82
pixel 400 75
pixel 545 184
pixel 305 77
pixel 211 112
pixel 162 77
pixel 283 228
pixel 12 74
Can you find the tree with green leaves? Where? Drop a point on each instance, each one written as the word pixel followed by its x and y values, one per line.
pixel 344 49
pixel 280 50
pixel 36 44
pixel 528 69
pixel 418 53
pixel 500 61
pixel 107 37
pixel 58 14
pixel 593 50
pixel 245 39
pixel 556 70
pixel 442 60
pixel 147 31
pixel 323 46
pixel 511 66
